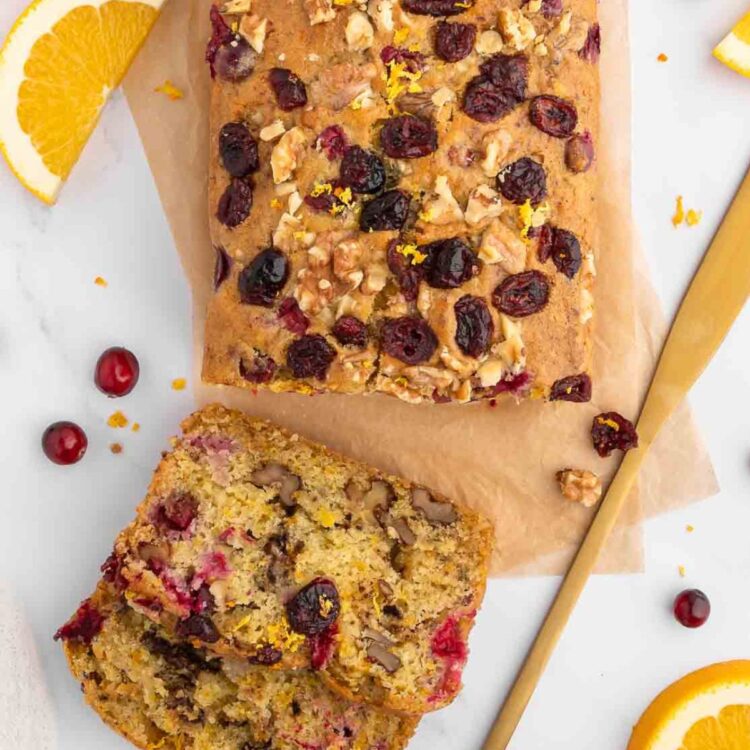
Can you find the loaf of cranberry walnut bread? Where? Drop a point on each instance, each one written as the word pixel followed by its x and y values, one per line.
pixel 169 695
pixel 258 544
pixel 402 196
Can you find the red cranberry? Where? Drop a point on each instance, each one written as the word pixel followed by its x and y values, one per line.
pixel 510 73
pixel 516 385
pixel 111 570
pixel 611 431
pixel 222 266
pixel 321 647
pixel 407 275
pixel 325 202
pixel 266 655
pixel 228 54
pixel 485 102
pixel 553 116
pixel 522 294
pixel 116 372
pixel 238 149
pixel 288 88
pixel 292 317
pixel 436 7
pixel 593 45
pixel 64 443
pixel 199 627
pixel 310 357
pixel 332 140
pixel 235 203
pixel 350 331
pixel 449 263
pixel 388 211
pixel 414 61
pixel 579 153
pixel 474 326
pixel 565 252
pixel 692 608
pixel 409 339
pixel 176 513
pixel 454 41
pixel 84 626
pixel 314 608
pixel 408 137
pixel 524 179
pixel 362 171
pixel 258 369
pixel 575 388
pixel 545 235
pixel 260 282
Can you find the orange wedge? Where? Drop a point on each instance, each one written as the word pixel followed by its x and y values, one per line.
pixel 706 710
pixel 734 49
pixel 58 65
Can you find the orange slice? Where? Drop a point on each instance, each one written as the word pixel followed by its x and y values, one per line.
pixel 58 66
pixel 706 710
pixel 734 49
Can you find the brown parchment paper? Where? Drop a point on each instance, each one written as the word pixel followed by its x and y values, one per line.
pixel 500 460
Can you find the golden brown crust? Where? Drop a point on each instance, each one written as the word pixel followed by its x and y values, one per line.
pixel 324 251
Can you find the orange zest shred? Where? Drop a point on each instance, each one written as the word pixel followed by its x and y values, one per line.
pixel 679 213
pixel 170 90
pixel 116 448
pixel 693 217
pixel 609 422
pixel 690 528
pixel 681 570
pixel 662 57
pixel 411 253
pixel 179 384
pixel 99 281
pixel 117 420
pixel 136 426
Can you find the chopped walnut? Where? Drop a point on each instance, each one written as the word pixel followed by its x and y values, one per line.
pixel 496 146
pixel 416 103
pixel 443 96
pixel 359 32
pixel 290 234
pixel 511 350
pixel 580 486
pixel 273 131
pixel 339 85
pixel 313 291
pixel 236 7
pixel 376 276
pixel 287 153
pixel 491 372
pixel 484 203
pixel 489 43
pixel 381 11
pixel 442 208
pixel 518 32
pixel 346 258
pixel 500 244
pixel 319 11
pixel 588 272
pixel 254 29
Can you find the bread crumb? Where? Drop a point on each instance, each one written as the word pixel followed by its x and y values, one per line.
pixel 690 528
pixel 662 57
pixel 169 89
pixel 681 570
pixel 136 426
pixel 117 420
pixel 99 281
pixel 179 384
pixel 116 448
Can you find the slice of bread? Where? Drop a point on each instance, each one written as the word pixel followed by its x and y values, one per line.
pixel 258 544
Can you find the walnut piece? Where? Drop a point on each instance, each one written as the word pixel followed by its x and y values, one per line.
pixel 287 153
pixel 496 146
pixel 381 11
pixel 359 32
pixel 273 131
pixel 442 208
pixel 518 32
pixel 254 29
pixel 580 486
pixel 489 43
pixel 339 85
pixel 319 11
pixel 500 244
pixel 484 203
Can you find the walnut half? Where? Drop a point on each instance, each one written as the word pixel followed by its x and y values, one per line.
pixel 580 486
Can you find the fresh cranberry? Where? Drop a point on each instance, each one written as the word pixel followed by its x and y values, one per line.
pixel 84 626
pixel 64 443
pixel 449 263
pixel 611 431
pixel 235 203
pixel 524 179
pixel 314 608
pixel 322 645
pixel 388 211
pixel 448 641
pixel 111 570
pixel 263 278
pixel 692 608
pixel 200 627
pixel 592 47
pixel 409 339
pixel 565 252
pixel 579 153
pixel 553 115
pixel 222 266
pixel 510 73
pixel 362 171
pixel 408 137
pixel 485 102
pixel 292 317
pixel 288 88
pixel 436 7
pixel 333 142
pixel 454 41
pixel 176 513
pixel 228 54
pixel 350 331
pixel 310 357
pixel 258 369
pixel 522 294
pixel 575 388
pixel 116 372
pixel 414 61
pixel 474 326
pixel 238 149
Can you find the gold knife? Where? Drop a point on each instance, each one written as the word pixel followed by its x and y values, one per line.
pixel 713 301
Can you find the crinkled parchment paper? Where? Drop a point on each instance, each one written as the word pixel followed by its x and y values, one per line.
pixel 500 460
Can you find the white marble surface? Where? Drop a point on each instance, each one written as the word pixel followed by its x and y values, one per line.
pixel 691 137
